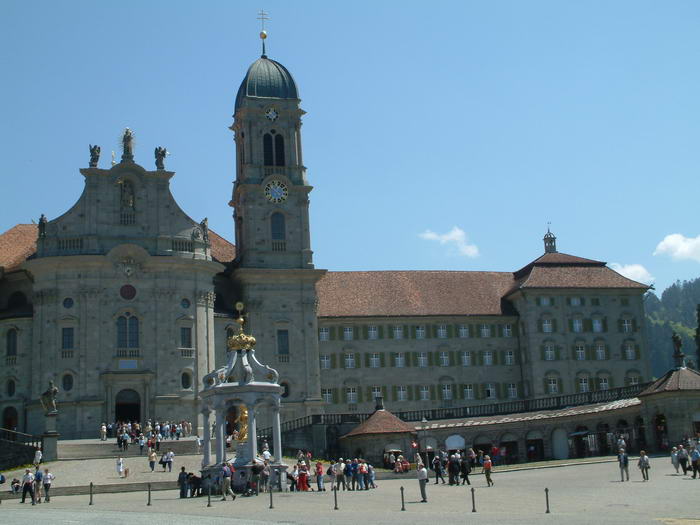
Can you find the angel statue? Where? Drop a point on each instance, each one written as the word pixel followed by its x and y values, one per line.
pixel 48 399
pixel 94 156
pixel 242 421
pixel 160 157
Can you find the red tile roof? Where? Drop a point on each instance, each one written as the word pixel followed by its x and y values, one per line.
pixel 19 243
pixel 577 277
pixel 16 244
pixel 381 422
pixel 673 381
pixel 413 293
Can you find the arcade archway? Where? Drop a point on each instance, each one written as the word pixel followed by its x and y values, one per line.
pixel 10 418
pixel 127 406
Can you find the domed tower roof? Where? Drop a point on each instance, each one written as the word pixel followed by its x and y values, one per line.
pixel 267 78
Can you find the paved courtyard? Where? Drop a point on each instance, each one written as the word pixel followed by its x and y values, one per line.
pixel 578 494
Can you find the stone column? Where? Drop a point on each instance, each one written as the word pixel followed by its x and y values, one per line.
pixel 206 439
pixel 277 434
pixel 220 439
pixel 252 434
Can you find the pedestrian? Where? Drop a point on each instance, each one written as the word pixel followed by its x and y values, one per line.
pixel 644 465
pixel 339 471
pixel 164 461
pixel 169 460
pixel 355 474
pixel 226 475
pixel 120 466
pixel 453 470
pixel 37 457
pixel 437 467
pixel 38 478
pixel 182 482
pixel 265 476
pixel 319 476
pixel 152 457
pixel 422 473
pixel 623 462
pixel 103 432
pixel 347 470
pixel 683 459
pixel 488 466
pixel 48 478
pixel 198 440
pixel 674 459
pixel 465 468
pixel 695 461
pixel 28 485
pixel 142 443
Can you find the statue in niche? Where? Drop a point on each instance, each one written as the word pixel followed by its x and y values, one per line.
pixel 127 194
pixel 48 399
pixel 94 155
pixel 42 225
pixel 160 157
pixel 242 420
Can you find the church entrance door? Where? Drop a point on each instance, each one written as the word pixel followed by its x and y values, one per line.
pixel 127 406
pixel 10 418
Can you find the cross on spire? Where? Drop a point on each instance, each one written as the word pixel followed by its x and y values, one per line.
pixel 262 16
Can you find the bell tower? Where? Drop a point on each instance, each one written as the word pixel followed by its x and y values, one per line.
pixel 273 272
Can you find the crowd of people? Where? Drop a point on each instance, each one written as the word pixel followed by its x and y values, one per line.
pixel 146 436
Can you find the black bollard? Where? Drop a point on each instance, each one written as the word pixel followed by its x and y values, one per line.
pixel 149 496
pixel 270 490
pixel 335 497
pixel 91 493
pixel 473 500
pixel 403 506
pixel 546 497
pixel 209 495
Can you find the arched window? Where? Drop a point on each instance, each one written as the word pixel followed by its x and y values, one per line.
pixel 127 331
pixel 186 380
pixel 11 343
pixel 67 382
pixel 279 150
pixel 267 150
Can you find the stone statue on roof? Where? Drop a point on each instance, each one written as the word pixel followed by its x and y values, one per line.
pixel 94 155
pixel 128 145
pixel 677 343
pixel 160 157
pixel 204 226
pixel 42 225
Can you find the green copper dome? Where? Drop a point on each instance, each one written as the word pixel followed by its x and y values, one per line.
pixel 267 79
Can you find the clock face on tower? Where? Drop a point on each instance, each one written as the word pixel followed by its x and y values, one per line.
pixel 276 191
pixel 271 114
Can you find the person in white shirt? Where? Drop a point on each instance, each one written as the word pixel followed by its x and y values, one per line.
pixel 103 432
pixel 120 466
pixel 169 459
pixel 37 457
pixel 422 481
pixel 48 478
pixel 28 485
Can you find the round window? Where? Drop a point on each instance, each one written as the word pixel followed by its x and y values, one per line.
pixel 285 389
pixel 68 302
pixel 185 303
pixel 186 380
pixel 127 292
pixel 10 388
pixel 67 382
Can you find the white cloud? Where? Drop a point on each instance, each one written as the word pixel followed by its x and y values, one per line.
pixel 636 272
pixel 456 237
pixel 679 247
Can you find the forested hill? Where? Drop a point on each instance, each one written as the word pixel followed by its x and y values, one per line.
pixel 675 311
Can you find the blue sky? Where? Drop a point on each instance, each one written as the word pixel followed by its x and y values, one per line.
pixel 441 135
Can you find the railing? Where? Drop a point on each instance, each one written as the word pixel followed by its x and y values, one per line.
pixel 492 409
pixel 186 352
pixel 128 352
pixel 66 354
pixel 279 246
pixel 282 358
pixel 11 360
pixel 20 437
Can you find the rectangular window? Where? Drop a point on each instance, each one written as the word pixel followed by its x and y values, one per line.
pixel 577 325
pixel 485 330
pixel 490 391
pixel 633 380
pixel 488 358
pixel 398 332
pixel 444 359
pixel 424 393
pixel 580 350
pixel 545 301
pixel 420 332
pixel 547 326
pixel 512 391
pixel 374 361
pixel 552 385
pixel 324 334
pixel 422 359
pixel 627 326
pixel 348 333
pixel 603 383
pixel 575 301
pixel 507 330
pixel 376 392
pixel 510 357
pixel 446 392
pixel 466 359
pixel 325 362
pixel 67 338
pixel 463 331
pixel 282 342
pixel 442 331
pixel 400 360
pixel 597 325
pixel 583 384
pixel 600 351
pixel 630 352
pixel 185 337
pixel 468 391
pixel 327 395
pixel 402 393
pixel 351 394
pixel 372 332
pixel 549 353
pixel 349 360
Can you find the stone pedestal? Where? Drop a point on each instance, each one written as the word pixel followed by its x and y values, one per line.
pixel 50 437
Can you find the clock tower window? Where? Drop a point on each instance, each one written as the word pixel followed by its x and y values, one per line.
pixel 273 150
pixel 278 232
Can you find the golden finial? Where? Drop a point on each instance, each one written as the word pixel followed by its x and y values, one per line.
pixel 262 16
pixel 240 341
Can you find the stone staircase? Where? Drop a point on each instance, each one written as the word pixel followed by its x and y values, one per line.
pixel 94 449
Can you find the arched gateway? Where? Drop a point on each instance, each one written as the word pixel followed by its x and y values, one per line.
pixel 127 406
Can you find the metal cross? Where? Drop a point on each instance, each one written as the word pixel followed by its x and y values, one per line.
pixel 262 16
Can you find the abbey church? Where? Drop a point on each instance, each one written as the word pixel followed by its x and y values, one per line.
pixel 125 302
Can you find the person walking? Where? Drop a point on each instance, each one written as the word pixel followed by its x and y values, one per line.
pixel 182 482
pixel 103 432
pixel 37 457
pixel 142 443
pixel 28 485
pixel 623 462
pixel 422 473
pixel 674 459
pixel 120 466
pixel 339 469
pixel 152 458
pixel 226 475
pixel 319 476
pixel 170 456
pixel 465 468
pixel 644 465
pixel 47 479
pixel 683 459
pixel 437 467
pixel 347 470
pixel 38 477
pixel 488 466
pixel 695 461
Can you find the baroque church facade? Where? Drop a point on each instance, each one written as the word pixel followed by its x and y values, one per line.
pixel 126 302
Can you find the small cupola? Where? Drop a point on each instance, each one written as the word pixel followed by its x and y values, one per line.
pixel 550 242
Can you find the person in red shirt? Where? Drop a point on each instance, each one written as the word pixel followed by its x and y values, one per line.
pixel 319 476
pixel 488 467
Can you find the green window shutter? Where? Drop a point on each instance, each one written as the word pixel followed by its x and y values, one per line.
pixel 365 332
pixel 521 390
pixel 544 385
pixel 611 383
pixel 369 393
pixel 473 331
pixel 450 331
pixel 453 358
pixel 417 391
pixel 433 330
pixel 587 325
pixel 542 352
pixel 537 301
pixel 454 390
pixel 334 393
pixel 410 392
pixel 345 395
pixel 358 363
pixel 380 332
pixel 390 332
pixel 557 352
pixel 499 330
pixel 405 331
pixel 459 394
pixel 551 301
pixel 366 359
pixel 636 351
pixel 355 332
pixel 619 325
pixel 384 392
pixel 433 392
pixel 414 358
pixel 382 360
pixel 568 301
pixel 607 352
pixel 481 358
pixel 634 325
pixel 539 325
pixel 554 325
pixel 394 393
pixel 334 361
pixel 560 386
pixel 571 325
pixel 413 331
pixel 359 395
pixel 431 359
pixel 332 331
pixel 496 357
pixel 605 324
pixel 482 391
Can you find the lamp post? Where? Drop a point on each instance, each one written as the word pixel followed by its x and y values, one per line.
pixel 423 446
